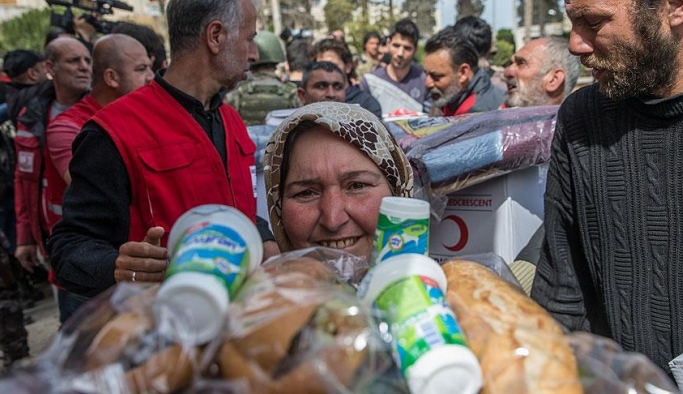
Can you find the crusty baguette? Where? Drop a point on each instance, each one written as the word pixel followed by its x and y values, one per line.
pixel 520 347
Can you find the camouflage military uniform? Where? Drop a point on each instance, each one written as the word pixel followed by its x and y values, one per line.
pixel 262 93
pixel 13 336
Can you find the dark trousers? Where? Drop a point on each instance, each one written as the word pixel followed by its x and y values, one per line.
pixel 13 336
pixel 68 304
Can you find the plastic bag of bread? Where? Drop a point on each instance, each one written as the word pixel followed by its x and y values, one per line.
pixel 297 326
pixel 522 349
pixel 115 343
pixel 345 267
pixel 519 346
pixel 606 368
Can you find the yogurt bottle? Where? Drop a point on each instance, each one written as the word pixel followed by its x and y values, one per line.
pixel 427 341
pixel 402 227
pixel 213 247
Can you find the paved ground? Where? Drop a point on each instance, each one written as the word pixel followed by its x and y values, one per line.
pixel 45 316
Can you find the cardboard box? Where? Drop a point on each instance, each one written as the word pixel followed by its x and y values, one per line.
pixel 498 216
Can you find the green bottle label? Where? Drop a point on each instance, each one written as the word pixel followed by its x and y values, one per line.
pixel 212 249
pixel 394 236
pixel 419 318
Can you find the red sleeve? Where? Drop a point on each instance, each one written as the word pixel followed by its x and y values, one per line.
pixel 26 176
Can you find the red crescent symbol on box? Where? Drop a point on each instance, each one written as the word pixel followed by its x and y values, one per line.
pixel 464 234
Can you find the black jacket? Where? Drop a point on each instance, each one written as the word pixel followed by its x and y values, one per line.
pixel 355 95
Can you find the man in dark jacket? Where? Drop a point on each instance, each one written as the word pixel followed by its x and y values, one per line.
pixel 25 69
pixel 69 65
pixel 455 82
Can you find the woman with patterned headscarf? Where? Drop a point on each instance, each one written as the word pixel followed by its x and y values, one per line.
pixel 327 168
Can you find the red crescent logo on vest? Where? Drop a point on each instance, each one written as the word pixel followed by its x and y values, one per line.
pixel 464 234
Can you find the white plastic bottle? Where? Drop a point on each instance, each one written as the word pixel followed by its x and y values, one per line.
pixel 213 247
pixel 428 343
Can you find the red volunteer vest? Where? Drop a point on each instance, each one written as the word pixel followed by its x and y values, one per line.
pixel 53 182
pixel 464 108
pixel 27 188
pixel 172 164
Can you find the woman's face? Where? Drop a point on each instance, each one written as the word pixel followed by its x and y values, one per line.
pixel 332 194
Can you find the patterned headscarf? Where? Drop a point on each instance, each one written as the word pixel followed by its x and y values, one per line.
pixel 355 125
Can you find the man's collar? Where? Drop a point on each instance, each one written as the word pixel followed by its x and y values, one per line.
pixel 188 102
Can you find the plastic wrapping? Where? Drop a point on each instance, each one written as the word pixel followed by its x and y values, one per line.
pixel 676 366
pixel 523 350
pixel 297 326
pixel 606 368
pixel 114 343
pixel 493 262
pixel 317 337
pixel 347 268
pixel 450 154
pixel 260 134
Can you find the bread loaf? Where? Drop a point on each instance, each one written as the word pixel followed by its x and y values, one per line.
pixel 112 339
pixel 168 371
pixel 520 347
pixel 290 334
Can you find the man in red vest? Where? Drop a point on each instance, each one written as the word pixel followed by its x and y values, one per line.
pixel 120 65
pixel 150 156
pixel 68 64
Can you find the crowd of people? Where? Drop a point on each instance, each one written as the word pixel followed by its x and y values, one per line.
pixel 113 145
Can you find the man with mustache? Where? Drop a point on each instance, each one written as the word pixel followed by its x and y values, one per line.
pixel 322 81
pixel 454 80
pixel 542 72
pixel 611 260
pixel 151 155
pixel 120 65
pixel 68 64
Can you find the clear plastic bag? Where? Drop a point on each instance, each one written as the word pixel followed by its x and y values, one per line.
pixel 297 326
pixel 114 343
pixel 295 323
pixel 606 368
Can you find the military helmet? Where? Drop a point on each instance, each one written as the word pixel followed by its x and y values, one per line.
pixel 269 48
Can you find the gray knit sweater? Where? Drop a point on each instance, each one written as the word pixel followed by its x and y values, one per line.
pixel 612 262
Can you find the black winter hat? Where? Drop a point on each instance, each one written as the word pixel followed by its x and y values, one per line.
pixel 18 61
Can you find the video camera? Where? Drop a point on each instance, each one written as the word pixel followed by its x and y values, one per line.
pixel 96 8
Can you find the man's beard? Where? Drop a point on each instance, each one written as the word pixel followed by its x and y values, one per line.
pixel 441 99
pixel 641 68
pixel 531 95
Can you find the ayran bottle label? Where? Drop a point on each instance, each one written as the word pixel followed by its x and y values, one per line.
pixel 419 317
pixel 212 249
pixel 394 236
